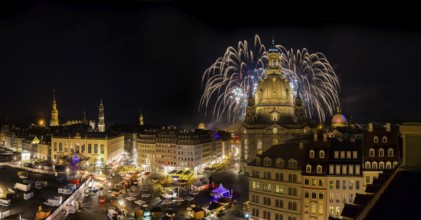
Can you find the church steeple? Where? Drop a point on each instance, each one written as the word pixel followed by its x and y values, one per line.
pixel 101 118
pixel 274 66
pixel 140 120
pixel 54 111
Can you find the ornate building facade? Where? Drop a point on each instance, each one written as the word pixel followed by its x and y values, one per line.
pixel 272 117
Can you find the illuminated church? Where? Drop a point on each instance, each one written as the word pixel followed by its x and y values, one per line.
pixel 272 114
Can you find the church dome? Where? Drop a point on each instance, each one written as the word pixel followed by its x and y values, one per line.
pixel 339 120
pixel 274 89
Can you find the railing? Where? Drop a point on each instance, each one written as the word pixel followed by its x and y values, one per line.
pixel 50 172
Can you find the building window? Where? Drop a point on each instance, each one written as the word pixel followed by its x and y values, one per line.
pixel 322 154
pixel 306 194
pixel 390 152
pixel 60 147
pixel 257 161
pixel 351 169
pixel 102 149
pixel 55 146
pixel 313 182
pixel 320 195
pixel 344 169
pixel 331 169
pixel 313 195
pixel 321 182
pixel 351 198
pixel 342 154
pixel 338 184
pixel 306 181
pixel 89 148
pixel 351 184
pixel 96 149
pixel 279 189
pixel 371 152
pixel 336 154
pixel 348 155
pixel 381 152
pixel 292 164
pixel 357 185
pixel 367 165
pixel 395 164
pixel 321 211
pixel 384 139
pixel 308 168
pixel 343 184
pixel 374 165
pixel 83 148
pixel 331 210
pixel 267 162
pixel 331 197
pixel 337 169
pixel 330 184
pixel 253 185
pixel 367 179
pixel 311 153
pixel 376 139
pixel 319 169
pixel 388 165
pixel 381 165
pixel 354 154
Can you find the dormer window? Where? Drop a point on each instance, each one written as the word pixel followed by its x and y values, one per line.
pixel 384 139
pixel 381 152
pixel 267 162
pixel 319 168
pixel 311 153
pixel 274 116
pixel 376 139
pixel 292 164
pixel 257 161
pixel 308 168
pixel 371 152
pixel 322 154
pixel 390 152
pixel 279 162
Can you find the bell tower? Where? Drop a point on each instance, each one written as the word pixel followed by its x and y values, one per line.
pixel 101 118
pixel 54 111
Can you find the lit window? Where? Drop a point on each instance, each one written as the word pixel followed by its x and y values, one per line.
pixel 381 152
pixel 371 152
pixel 384 139
pixel 348 155
pixel 390 152
pixel 331 184
pixel 354 154
pixel 376 139
pixel 342 154
pixel 367 165
pixel 344 169
pixel 374 165
pixel 311 153
pixel 351 184
pixel 336 154
pixel 319 169
pixel 308 168
pixel 351 169
pixel 381 165
pixel 338 169
pixel 388 165
pixel 331 169
pixel 322 154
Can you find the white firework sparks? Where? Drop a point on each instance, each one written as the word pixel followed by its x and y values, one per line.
pixel 229 80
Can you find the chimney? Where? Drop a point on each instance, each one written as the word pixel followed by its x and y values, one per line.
pixel 370 127
pixel 301 145
pixel 388 127
pixel 324 137
pixel 315 137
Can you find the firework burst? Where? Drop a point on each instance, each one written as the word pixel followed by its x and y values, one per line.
pixel 229 80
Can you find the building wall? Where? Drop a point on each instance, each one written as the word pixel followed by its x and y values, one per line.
pixel 113 148
pixel 266 194
pixel 411 144
pixel 43 151
pixel 314 197
pixel 341 190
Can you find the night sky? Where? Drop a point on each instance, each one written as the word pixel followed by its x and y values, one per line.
pixel 151 56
